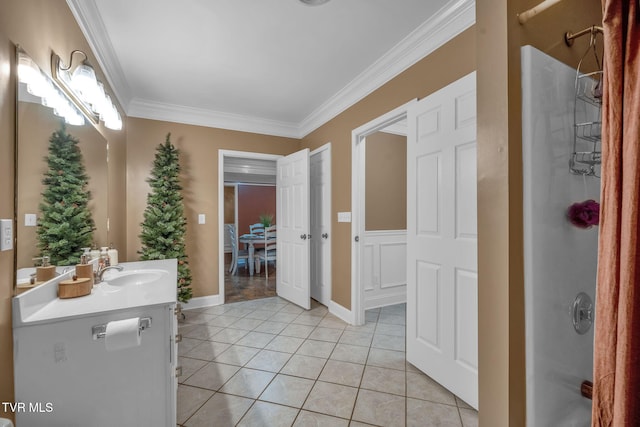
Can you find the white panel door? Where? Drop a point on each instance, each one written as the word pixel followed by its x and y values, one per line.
pixel 320 226
pixel 292 204
pixel 442 272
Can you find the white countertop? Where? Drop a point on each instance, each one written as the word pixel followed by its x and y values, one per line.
pixel 42 305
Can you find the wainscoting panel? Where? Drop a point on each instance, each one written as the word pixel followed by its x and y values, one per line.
pixel 384 267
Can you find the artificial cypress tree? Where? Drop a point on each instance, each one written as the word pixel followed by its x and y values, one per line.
pixel 164 226
pixel 65 225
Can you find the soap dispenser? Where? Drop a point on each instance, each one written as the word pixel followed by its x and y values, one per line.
pixel 85 269
pixel 45 271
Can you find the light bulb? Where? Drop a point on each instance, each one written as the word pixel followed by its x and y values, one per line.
pixel 98 101
pixel 74 118
pixel 27 69
pixel 84 82
pixel 114 121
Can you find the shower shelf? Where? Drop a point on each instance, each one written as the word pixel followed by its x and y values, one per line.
pixel 589 89
pixel 590 131
pixel 586 153
pixel 589 158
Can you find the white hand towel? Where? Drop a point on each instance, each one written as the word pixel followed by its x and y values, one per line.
pixel 122 334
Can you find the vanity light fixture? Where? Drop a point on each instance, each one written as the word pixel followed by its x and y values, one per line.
pixel 86 91
pixel 39 85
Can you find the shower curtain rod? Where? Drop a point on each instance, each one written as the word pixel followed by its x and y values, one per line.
pixel 569 37
pixel 528 14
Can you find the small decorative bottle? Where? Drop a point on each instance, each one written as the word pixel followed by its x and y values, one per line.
pixel 104 255
pixel 113 255
pixel 95 252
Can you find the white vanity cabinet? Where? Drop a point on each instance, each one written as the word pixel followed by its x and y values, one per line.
pixel 66 377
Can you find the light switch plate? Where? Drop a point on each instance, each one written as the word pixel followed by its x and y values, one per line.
pixel 344 216
pixel 6 234
pixel 201 219
pixel 30 220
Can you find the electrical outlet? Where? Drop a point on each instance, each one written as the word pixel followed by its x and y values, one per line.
pixel 6 234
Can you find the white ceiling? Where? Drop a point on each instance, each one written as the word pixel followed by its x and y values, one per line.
pixel 270 66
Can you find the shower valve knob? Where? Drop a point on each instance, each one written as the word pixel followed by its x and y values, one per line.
pixel 582 313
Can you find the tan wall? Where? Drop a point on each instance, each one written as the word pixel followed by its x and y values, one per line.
pixel 40 26
pixel 385 182
pixel 445 65
pixel 199 161
pixel 500 257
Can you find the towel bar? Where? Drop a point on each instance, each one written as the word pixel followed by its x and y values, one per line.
pixel 99 331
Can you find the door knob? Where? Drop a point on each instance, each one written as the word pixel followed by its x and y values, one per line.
pixel 325 235
pixel 303 236
pixel 357 238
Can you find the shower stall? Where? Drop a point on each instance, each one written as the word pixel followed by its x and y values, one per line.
pixel 560 258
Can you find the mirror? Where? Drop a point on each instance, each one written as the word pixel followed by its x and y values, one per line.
pixel 35 125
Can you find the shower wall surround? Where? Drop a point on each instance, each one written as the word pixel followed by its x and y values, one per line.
pixel 560 259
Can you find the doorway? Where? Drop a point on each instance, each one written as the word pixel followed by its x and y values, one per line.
pixel 318 276
pixel 367 246
pixel 246 183
pixel 247 204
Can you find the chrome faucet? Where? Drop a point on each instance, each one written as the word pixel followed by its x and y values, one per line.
pixel 101 271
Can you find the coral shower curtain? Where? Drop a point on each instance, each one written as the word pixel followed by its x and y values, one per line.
pixel 616 397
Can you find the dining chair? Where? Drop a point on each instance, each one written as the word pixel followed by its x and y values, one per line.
pixel 269 252
pixel 236 253
pixel 256 228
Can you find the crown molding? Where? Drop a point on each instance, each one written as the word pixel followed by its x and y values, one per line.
pixel 88 18
pixel 203 117
pixel 455 17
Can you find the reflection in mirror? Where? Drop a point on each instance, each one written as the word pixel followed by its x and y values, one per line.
pixel 35 125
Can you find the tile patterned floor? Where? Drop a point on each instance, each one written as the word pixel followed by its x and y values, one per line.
pixel 266 362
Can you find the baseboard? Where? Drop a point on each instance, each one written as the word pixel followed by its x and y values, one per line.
pixel 341 312
pixel 385 300
pixel 199 302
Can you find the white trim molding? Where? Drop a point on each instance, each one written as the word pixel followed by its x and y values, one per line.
pixel 452 19
pixel 199 302
pixel 455 17
pixel 209 118
pixel 341 312
pixel 90 21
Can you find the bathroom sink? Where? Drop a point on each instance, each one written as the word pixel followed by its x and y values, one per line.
pixel 134 277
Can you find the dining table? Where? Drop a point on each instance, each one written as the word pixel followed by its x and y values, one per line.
pixel 251 240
